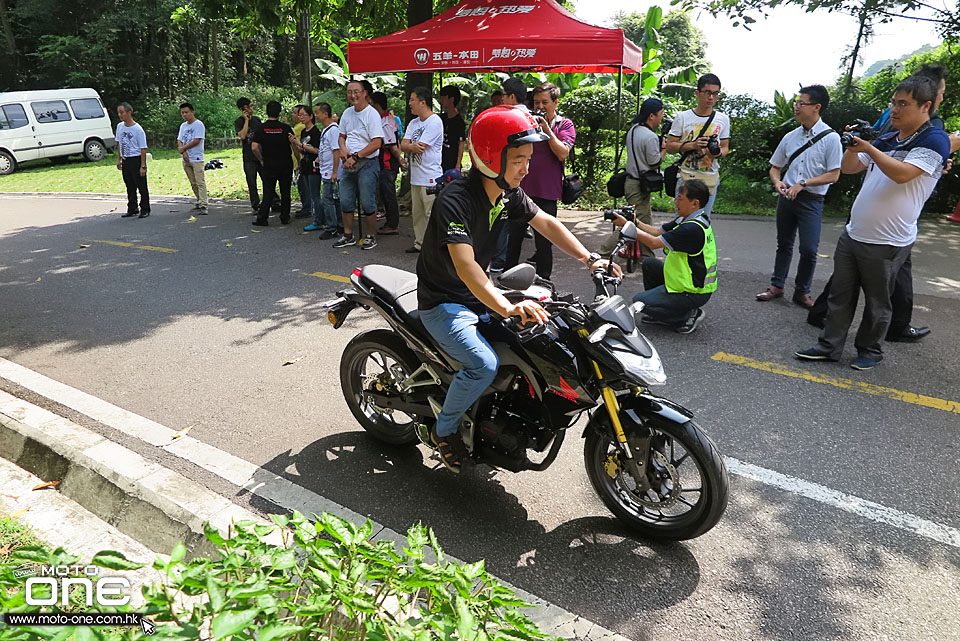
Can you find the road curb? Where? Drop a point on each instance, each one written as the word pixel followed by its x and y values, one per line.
pixel 140 498
pixel 159 507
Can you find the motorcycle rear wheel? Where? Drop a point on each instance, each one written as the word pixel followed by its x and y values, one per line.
pixel 378 358
pixel 698 470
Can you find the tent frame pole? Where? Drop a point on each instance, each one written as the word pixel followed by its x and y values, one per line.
pixel 619 118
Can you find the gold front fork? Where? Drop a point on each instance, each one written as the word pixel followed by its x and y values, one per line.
pixel 612 405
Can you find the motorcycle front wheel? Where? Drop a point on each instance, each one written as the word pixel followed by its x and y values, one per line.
pixel 378 360
pixel 687 477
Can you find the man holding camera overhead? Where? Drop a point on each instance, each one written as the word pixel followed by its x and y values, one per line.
pixel 702 136
pixel 805 164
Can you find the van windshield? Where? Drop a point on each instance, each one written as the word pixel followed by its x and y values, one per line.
pixel 12 117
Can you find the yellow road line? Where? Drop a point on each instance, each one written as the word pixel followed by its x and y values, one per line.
pixel 165 250
pixel 843 383
pixel 339 279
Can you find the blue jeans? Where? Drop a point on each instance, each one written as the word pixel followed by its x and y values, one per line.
pixel 801 215
pixel 329 205
pixel 503 243
pixel 303 188
pixel 363 181
pixel 310 186
pixel 670 308
pixel 455 328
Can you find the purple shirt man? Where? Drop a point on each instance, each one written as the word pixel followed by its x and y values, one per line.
pixel 544 183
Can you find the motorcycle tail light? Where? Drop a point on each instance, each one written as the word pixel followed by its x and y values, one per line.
pixel 357 271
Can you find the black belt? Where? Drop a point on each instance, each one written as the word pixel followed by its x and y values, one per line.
pixel 806 195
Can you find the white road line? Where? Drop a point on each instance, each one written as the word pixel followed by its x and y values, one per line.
pixel 290 495
pixel 847 502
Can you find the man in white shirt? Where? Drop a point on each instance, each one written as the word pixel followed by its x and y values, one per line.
pixel 190 145
pixel 805 164
pixel 329 158
pixel 361 135
pixel 902 168
pixel 132 161
pixel 702 135
pixel 423 140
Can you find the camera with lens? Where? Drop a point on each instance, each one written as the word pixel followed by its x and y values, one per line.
pixel 862 130
pixel 627 213
pixel 665 125
pixel 713 145
pixel 539 113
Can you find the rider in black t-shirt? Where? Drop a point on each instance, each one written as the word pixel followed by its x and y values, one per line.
pixel 453 290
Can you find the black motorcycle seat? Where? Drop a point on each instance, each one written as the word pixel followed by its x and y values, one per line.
pixel 396 284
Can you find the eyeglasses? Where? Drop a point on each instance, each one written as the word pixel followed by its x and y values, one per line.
pixel 354 92
pixel 800 103
pixel 709 94
pixel 901 104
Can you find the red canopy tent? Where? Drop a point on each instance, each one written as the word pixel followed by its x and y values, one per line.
pixel 502 35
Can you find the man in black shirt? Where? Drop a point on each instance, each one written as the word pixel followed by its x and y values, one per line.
pixel 272 147
pixel 453 290
pixel 247 125
pixel 454 129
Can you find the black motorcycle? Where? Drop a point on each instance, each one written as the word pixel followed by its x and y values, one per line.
pixel 651 464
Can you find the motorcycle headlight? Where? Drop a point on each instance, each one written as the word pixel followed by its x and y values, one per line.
pixel 647 369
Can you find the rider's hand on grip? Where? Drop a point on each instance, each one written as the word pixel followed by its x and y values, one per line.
pixel 529 311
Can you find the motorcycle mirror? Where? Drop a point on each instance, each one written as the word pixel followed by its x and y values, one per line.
pixel 629 232
pixel 518 278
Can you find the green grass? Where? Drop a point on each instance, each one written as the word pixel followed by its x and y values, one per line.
pixel 165 176
pixel 13 536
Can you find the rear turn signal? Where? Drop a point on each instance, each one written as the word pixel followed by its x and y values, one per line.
pixel 332 318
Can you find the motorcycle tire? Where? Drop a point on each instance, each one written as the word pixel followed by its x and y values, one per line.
pixel 710 486
pixel 383 349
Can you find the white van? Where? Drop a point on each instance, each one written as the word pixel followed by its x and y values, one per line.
pixel 52 123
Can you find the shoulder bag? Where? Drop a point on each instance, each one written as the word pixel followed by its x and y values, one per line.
pixel 810 143
pixel 617 185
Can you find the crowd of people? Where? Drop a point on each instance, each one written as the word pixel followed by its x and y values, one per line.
pixel 346 168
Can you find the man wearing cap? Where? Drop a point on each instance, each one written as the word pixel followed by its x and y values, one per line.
pixel 644 152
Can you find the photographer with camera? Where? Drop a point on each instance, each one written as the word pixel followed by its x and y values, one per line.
pixel 544 183
pixel 644 153
pixel 423 140
pixel 702 135
pixel 902 169
pixel 805 164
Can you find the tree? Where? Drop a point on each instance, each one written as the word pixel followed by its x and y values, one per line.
pixel 681 43
pixel 743 11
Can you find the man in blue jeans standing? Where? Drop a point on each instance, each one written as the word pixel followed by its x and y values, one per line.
pixel 361 135
pixel 677 287
pixel 453 290
pixel 805 164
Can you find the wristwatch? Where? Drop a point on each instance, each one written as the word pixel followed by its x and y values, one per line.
pixel 803 182
pixel 592 258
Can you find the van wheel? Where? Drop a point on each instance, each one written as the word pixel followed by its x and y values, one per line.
pixel 94 151
pixel 7 164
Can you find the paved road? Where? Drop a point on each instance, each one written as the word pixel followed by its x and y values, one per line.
pixel 199 337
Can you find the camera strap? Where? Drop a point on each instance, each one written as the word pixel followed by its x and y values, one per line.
pixel 810 143
pixel 706 126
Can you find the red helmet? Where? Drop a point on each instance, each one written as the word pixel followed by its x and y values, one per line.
pixel 494 131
